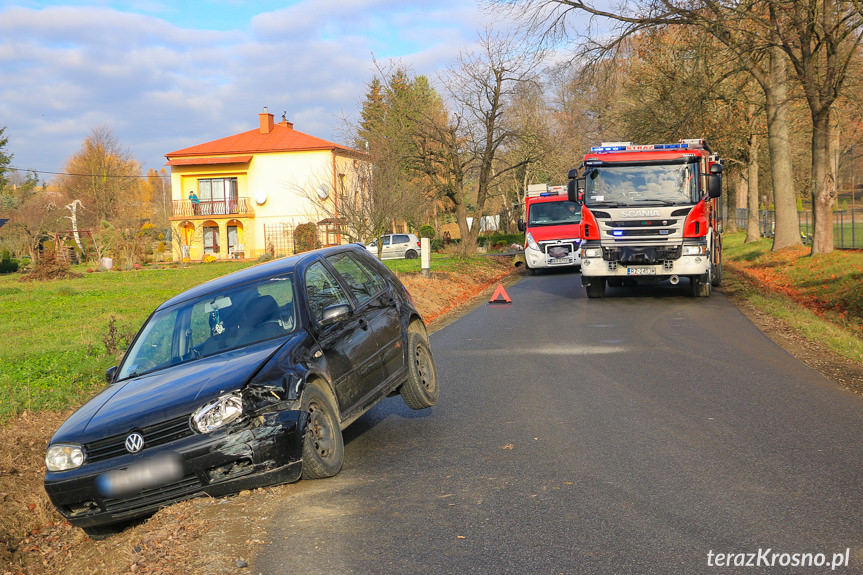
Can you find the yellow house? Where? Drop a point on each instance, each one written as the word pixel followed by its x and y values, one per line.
pixel 242 196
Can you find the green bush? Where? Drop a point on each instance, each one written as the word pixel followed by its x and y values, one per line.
pixel 7 265
pixel 426 231
pixel 306 238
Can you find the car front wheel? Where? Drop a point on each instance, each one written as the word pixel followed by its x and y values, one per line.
pixel 421 388
pixel 323 446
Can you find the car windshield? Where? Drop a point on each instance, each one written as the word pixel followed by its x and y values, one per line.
pixel 211 324
pixel 554 214
pixel 657 185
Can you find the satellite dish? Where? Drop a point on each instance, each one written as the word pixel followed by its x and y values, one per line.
pixel 260 197
pixel 323 191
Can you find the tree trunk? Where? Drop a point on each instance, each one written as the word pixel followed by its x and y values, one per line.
pixel 787 229
pixel 823 185
pixel 753 234
pixel 461 217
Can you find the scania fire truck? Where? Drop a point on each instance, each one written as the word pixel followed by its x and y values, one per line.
pixel 551 228
pixel 649 214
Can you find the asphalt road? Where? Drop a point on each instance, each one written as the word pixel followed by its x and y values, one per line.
pixel 643 433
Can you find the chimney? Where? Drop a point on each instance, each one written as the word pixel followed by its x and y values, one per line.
pixel 285 123
pixel 266 121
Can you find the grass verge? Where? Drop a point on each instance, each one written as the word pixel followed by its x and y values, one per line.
pixel 820 297
pixel 60 336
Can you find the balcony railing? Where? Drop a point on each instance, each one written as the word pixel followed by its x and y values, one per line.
pixel 187 208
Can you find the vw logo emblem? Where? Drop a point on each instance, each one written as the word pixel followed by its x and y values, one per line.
pixel 134 442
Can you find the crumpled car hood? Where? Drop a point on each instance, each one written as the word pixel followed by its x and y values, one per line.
pixel 164 395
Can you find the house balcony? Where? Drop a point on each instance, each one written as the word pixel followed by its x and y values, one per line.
pixel 241 206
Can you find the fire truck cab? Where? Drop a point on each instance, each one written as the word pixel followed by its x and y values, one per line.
pixel 649 214
pixel 551 228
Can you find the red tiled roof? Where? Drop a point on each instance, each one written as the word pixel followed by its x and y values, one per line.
pixel 202 161
pixel 280 139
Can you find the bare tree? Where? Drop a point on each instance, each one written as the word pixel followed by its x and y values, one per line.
pixel 740 26
pixel 821 38
pixel 472 142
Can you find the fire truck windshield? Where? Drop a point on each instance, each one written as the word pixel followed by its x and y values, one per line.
pixel 642 185
pixel 553 214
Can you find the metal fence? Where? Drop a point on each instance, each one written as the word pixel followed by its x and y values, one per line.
pixel 847 225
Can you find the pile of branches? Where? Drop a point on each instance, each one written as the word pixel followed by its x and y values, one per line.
pixel 49 267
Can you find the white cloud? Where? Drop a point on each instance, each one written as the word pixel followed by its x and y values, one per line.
pixel 160 87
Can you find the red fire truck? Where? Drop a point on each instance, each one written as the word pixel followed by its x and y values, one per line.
pixel 649 214
pixel 551 228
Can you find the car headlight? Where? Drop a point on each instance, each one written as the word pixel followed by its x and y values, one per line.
pixel 218 413
pixel 591 252
pixel 695 250
pixel 64 456
pixel 531 243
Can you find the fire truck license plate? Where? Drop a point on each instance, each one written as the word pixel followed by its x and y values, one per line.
pixel 640 271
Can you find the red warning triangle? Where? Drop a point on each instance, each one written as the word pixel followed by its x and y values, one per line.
pixel 500 295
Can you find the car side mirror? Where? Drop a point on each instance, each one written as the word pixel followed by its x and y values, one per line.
pixel 110 373
pixel 334 314
pixel 714 181
pixel 521 226
pixel 575 189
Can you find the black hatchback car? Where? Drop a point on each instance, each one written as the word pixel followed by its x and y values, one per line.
pixel 244 381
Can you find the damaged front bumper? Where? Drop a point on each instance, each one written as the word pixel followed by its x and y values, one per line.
pixel 263 450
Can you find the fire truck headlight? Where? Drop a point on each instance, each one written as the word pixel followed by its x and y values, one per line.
pixel 531 243
pixel 694 250
pixel 591 253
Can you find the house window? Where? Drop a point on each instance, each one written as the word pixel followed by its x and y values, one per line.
pixel 218 196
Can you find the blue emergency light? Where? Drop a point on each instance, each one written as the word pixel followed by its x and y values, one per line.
pixel 640 148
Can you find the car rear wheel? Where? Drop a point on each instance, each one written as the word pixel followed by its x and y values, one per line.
pixel 421 388
pixel 323 446
pixel 411 254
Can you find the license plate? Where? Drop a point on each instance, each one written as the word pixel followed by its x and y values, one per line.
pixel 554 261
pixel 154 472
pixel 641 271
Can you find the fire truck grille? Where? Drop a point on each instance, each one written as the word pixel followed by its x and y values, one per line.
pixel 648 255
pixel 558 249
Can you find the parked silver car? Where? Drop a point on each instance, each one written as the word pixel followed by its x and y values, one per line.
pixel 396 246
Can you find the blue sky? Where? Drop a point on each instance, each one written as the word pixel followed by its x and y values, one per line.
pixel 166 75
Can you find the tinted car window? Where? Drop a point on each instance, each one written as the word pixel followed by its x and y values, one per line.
pixel 377 280
pixel 361 284
pixel 158 334
pixel 211 324
pixel 400 239
pixel 323 290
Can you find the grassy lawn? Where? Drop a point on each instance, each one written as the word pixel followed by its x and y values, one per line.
pixel 821 296
pixel 53 353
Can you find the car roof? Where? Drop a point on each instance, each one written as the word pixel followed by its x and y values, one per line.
pixel 258 272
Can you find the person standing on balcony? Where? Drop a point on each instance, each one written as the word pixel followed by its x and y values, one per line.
pixel 193 197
